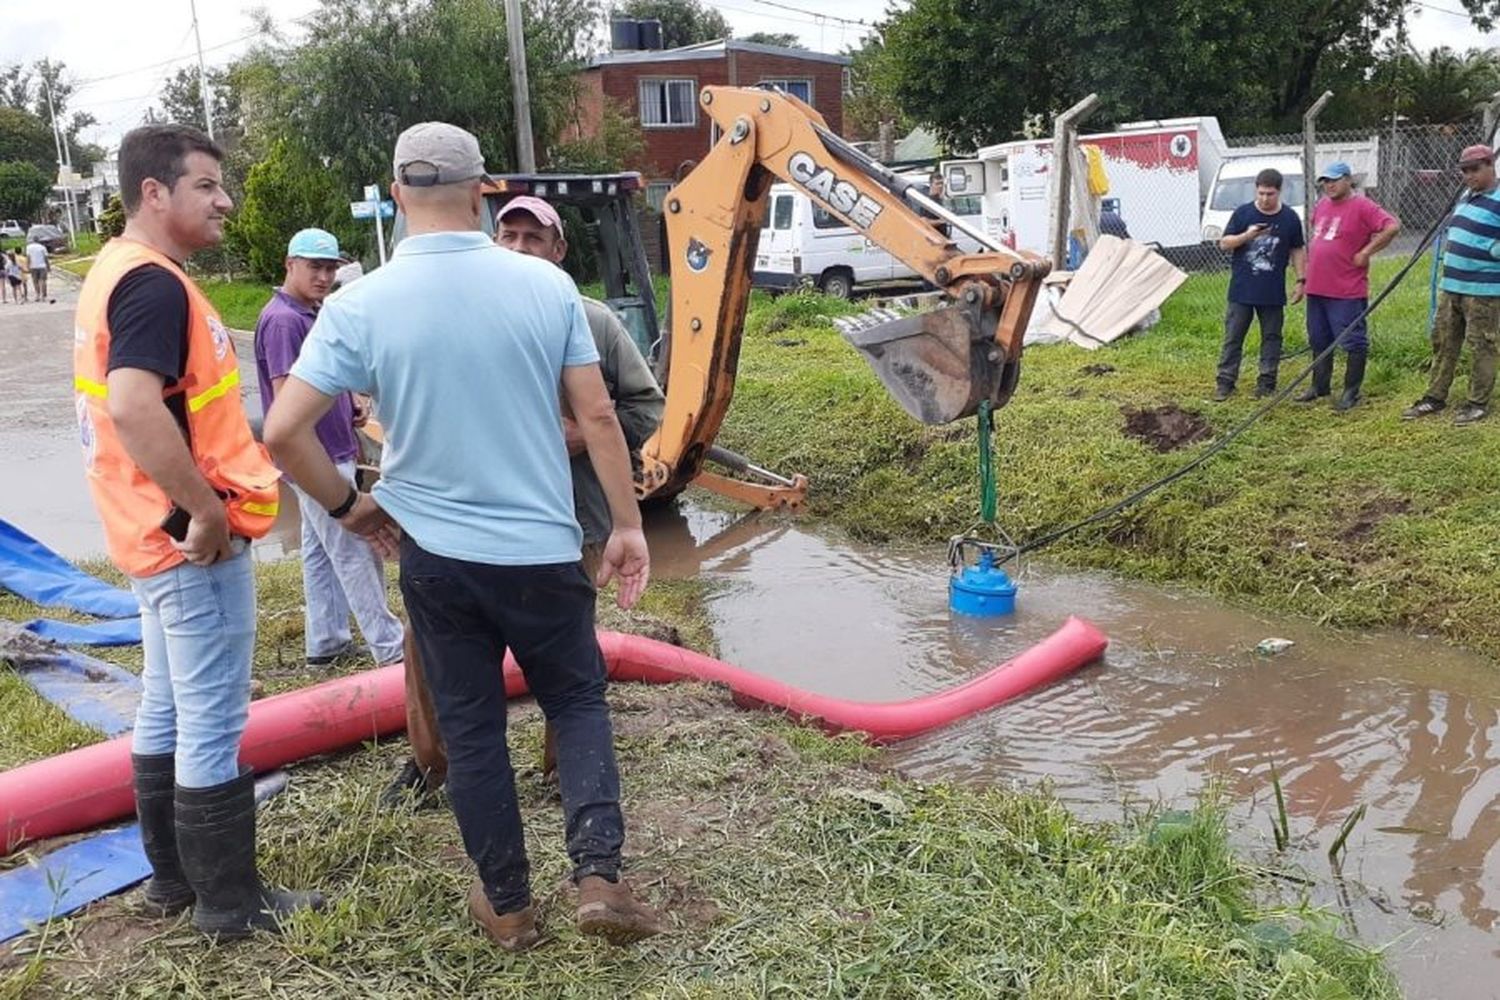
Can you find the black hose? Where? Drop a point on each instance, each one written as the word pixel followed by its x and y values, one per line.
pixel 1223 442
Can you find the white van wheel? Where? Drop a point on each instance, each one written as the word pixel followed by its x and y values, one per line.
pixel 837 282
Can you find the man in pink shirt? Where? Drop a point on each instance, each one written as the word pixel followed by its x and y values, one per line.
pixel 1347 230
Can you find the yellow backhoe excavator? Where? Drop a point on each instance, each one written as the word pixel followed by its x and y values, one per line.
pixel 939 365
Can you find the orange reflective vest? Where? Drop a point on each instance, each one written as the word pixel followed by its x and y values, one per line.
pixel 131 505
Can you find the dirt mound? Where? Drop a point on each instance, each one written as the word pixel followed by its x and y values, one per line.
pixel 1165 428
pixel 1369 516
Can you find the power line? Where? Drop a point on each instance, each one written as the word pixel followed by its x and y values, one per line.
pixel 821 16
pixel 165 62
pixel 1442 10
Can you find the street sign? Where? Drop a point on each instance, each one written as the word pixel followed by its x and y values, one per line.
pixel 372 192
pixel 366 209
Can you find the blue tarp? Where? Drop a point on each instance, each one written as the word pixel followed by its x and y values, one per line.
pixel 31 570
pixel 114 632
pixel 76 874
pixel 95 693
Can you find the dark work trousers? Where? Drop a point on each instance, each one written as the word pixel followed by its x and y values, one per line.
pixel 1236 324
pixel 1327 318
pixel 465 615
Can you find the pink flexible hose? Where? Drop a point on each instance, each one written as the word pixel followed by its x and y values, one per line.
pixel 92 785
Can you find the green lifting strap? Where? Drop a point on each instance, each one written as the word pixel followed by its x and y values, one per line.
pixel 987 501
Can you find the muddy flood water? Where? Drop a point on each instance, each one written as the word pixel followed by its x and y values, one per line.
pixel 1402 725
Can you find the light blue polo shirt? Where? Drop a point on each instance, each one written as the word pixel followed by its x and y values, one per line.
pixel 462 344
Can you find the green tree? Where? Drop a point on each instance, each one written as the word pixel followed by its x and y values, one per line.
pixel 182 101
pixel 112 219
pixel 373 67
pixel 785 39
pixel 683 22
pixel 286 191
pixel 1179 57
pixel 871 98
pixel 24 136
pixel 23 190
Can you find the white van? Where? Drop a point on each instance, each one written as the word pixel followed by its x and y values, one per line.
pixel 1234 183
pixel 801 244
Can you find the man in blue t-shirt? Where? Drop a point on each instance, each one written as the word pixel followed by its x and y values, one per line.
pixel 469 378
pixel 1264 236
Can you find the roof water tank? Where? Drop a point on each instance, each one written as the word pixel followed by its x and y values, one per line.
pixel 650 34
pixel 625 34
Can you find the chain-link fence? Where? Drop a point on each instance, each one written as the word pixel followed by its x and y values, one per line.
pixel 1174 184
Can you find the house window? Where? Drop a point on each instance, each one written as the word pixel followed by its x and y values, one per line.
pixel 800 89
pixel 656 193
pixel 668 103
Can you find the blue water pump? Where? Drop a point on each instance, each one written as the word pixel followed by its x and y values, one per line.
pixel 982 589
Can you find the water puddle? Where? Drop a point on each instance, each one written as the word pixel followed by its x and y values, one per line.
pixel 1406 727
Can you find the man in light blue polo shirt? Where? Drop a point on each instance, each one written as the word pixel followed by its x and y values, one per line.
pixel 1469 306
pixel 475 483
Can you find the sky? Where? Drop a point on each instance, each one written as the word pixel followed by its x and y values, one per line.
pixel 120 53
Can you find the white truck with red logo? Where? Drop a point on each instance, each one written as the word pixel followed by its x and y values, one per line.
pixel 1157 174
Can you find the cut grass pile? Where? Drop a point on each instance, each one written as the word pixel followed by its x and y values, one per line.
pixel 790 864
pixel 1357 519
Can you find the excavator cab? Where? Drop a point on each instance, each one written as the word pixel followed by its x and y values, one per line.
pixel 606 204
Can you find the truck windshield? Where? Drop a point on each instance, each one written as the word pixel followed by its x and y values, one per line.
pixel 1232 192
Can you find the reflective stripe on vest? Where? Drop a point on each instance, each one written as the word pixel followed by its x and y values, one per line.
pixel 218 434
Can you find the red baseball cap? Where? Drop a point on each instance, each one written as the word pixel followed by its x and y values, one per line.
pixel 533 206
pixel 1477 153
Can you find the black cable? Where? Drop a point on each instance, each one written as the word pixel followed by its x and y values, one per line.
pixel 1223 442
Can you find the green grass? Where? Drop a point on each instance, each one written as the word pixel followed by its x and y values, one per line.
pixel 1358 519
pixel 239 302
pixel 788 862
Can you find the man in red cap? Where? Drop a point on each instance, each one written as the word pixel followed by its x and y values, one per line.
pixel 1469 304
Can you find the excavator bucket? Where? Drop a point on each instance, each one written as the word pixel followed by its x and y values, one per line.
pixel 939 365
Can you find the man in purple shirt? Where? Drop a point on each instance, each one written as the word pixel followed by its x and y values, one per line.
pixel 340 572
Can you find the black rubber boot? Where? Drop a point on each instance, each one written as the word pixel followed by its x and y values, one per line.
pixel 167 890
pixel 216 840
pixel 1354 377
pixel 1322 380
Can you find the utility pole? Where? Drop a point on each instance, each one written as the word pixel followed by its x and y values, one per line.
pixel 515 32
pixel 64 166
pixel 208 115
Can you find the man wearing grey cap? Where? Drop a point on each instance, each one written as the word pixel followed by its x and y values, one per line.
pixel 475 493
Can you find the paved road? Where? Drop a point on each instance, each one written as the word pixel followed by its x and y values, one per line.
pixel 41 472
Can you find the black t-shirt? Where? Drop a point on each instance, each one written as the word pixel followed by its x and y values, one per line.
pixel 1257 271
pixel 148 328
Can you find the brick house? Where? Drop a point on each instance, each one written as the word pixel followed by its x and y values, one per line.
pixel 660 89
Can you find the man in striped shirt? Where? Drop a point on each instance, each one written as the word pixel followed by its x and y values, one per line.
pixel 1469 306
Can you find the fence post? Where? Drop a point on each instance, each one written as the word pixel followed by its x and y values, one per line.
pixel 1491 113
pixel 1310 159
pixel 1064 133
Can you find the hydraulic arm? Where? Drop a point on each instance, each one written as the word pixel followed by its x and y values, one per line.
pixel 939 365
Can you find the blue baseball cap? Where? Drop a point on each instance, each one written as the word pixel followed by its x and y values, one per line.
pixel 1335 170
pixel 314 244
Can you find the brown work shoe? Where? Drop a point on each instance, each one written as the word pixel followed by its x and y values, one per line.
pixel 511 931
pixel 611 911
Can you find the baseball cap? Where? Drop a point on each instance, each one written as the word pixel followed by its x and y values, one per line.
pixel 314 244
pixel 432 153
pixel 535 207
pixel 1477 153
pixel 1335 170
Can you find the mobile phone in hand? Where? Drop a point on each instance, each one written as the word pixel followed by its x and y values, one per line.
pixel 175 524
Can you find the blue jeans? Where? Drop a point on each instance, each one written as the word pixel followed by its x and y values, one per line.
pixel 464 616
pixel 198 630
pixel 1326 319
pixel 341 572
